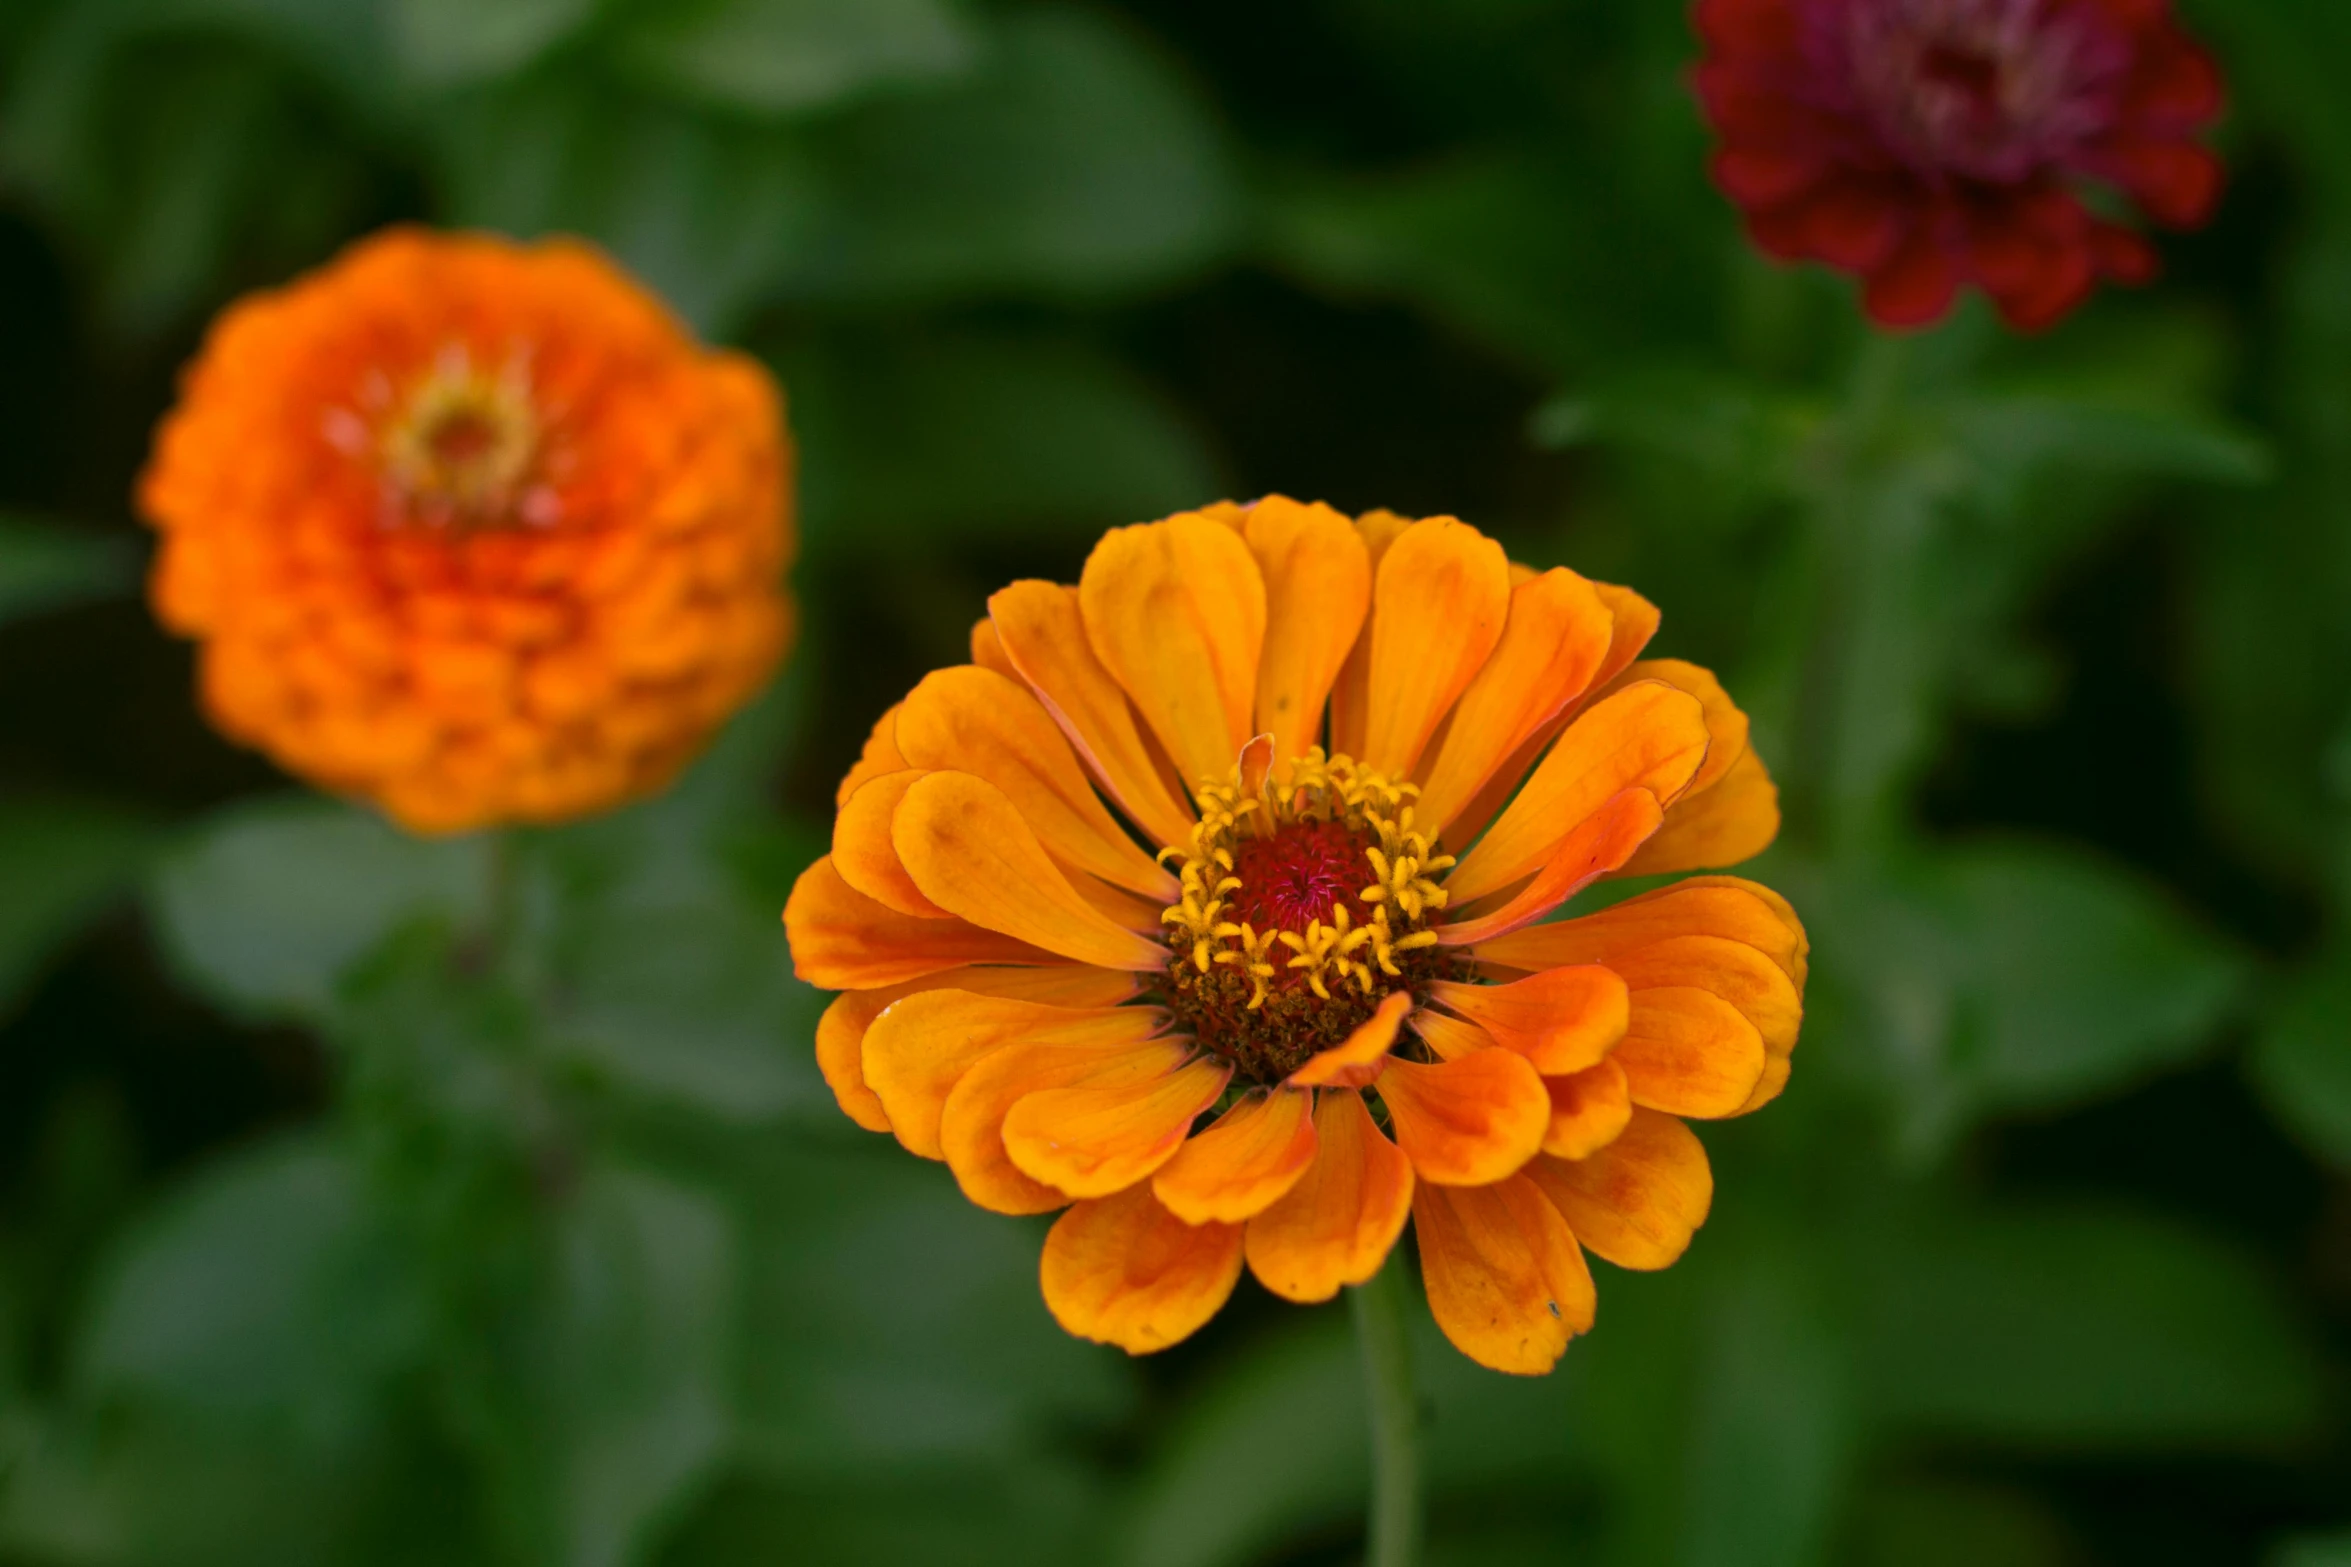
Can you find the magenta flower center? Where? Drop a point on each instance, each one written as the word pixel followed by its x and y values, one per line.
pixel 1991 90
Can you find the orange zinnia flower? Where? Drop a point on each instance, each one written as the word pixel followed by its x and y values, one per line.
pixel 471 529
pixel 1036 998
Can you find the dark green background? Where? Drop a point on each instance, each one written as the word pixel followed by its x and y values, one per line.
pixel 364 1202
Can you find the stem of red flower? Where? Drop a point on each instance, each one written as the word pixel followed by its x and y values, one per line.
pixel 1380 1333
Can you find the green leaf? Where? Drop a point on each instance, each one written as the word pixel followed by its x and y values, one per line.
pixel 705 213
pixel 268 1292
pixel 266 909
pixel 1272 1451
pixel 1072 160
pixel 905 1323
pixel 610 1399
pixel 2005 976
pixel 2071 1329
pixel 44 567
pixel 1036 1513
pixel 981 436
pixel 61 864
pixel 2301 1060
pixel 1772 1440
pixel 786 57
pixel 2315 1550
pixel 445 42
pixel 1943 1524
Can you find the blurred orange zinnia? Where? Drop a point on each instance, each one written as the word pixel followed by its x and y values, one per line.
pixel 471 529
pixel 1303 1021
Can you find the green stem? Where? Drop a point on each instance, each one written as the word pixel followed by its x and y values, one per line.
pixel 1378 1305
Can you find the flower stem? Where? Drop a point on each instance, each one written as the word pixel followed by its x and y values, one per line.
pixel 1378 1304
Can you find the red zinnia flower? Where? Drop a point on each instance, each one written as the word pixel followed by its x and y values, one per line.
pixel 1925 144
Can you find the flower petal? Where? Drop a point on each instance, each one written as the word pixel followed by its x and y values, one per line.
pixel 1451 1038
pixel 1317 590
pixel 1730 969
pixel 1722 906
pixel 1092 1141
pixel 864 854
pixel 971 1122
pixel 1175 610
pixel 1689 1052
pixel 1646 736
pixel 1552 644
pixel 1589 1110
pixel 1726 725
pixel 1562 1020
pixel 921 1045
pixel 1339 1222
pixel 1633 621
pixel 1243 1164
pixel 1637 1201
pixel 1044 635
pixel 987 649
pixel 970 720
pixel 879 756
pixel 1467 1122
pixel 1123 1270
pixel 1505 1278
pixel 840 1033
pixel 1356 1060
pixel 1733 821
pixel 843 940
pixel 1351 692
pixel 1602 842
pixel 1441 598
pixel 969 851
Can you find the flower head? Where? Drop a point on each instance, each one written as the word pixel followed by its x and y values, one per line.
pixel 1929 144
pixel 1209 902
pixel 471 529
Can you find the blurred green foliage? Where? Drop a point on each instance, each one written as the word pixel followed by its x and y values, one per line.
pixel 374 1200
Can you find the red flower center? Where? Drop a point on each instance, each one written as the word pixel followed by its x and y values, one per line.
pixel 1991 90
pixel 1300 875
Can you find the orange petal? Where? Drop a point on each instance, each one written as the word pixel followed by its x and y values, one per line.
pixel 1637 1201
pixel 1505 1278
pixel 1562 1020
pixel 1044 635
pixel 1317 591
pixel 1243 1164
pixel 1726 726
pixel 1092 1141
pixel 1776 1071
pixel 843 940
pixel 1175 610
pixel 1356 1061
pixel 840 1033
pixel 1647 736
pixel 879 756
pixel 864 855
pixel 971 1122
pixel 1724 906
pixel 1730 969
pixel 969 851
pixel 1351 693
pixel 969 720
pixel 1442 595
pixel 987 649
pixel 1599 844
pixel 1467 1122
pixel 1551 646
pixel 1451 1038
pixel 1339 1222
pixel 1733 821
pixel 921 1045
pixel 1123 1270
pixel 1689 1052
pixel 1633 621
pixel 1589 1110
